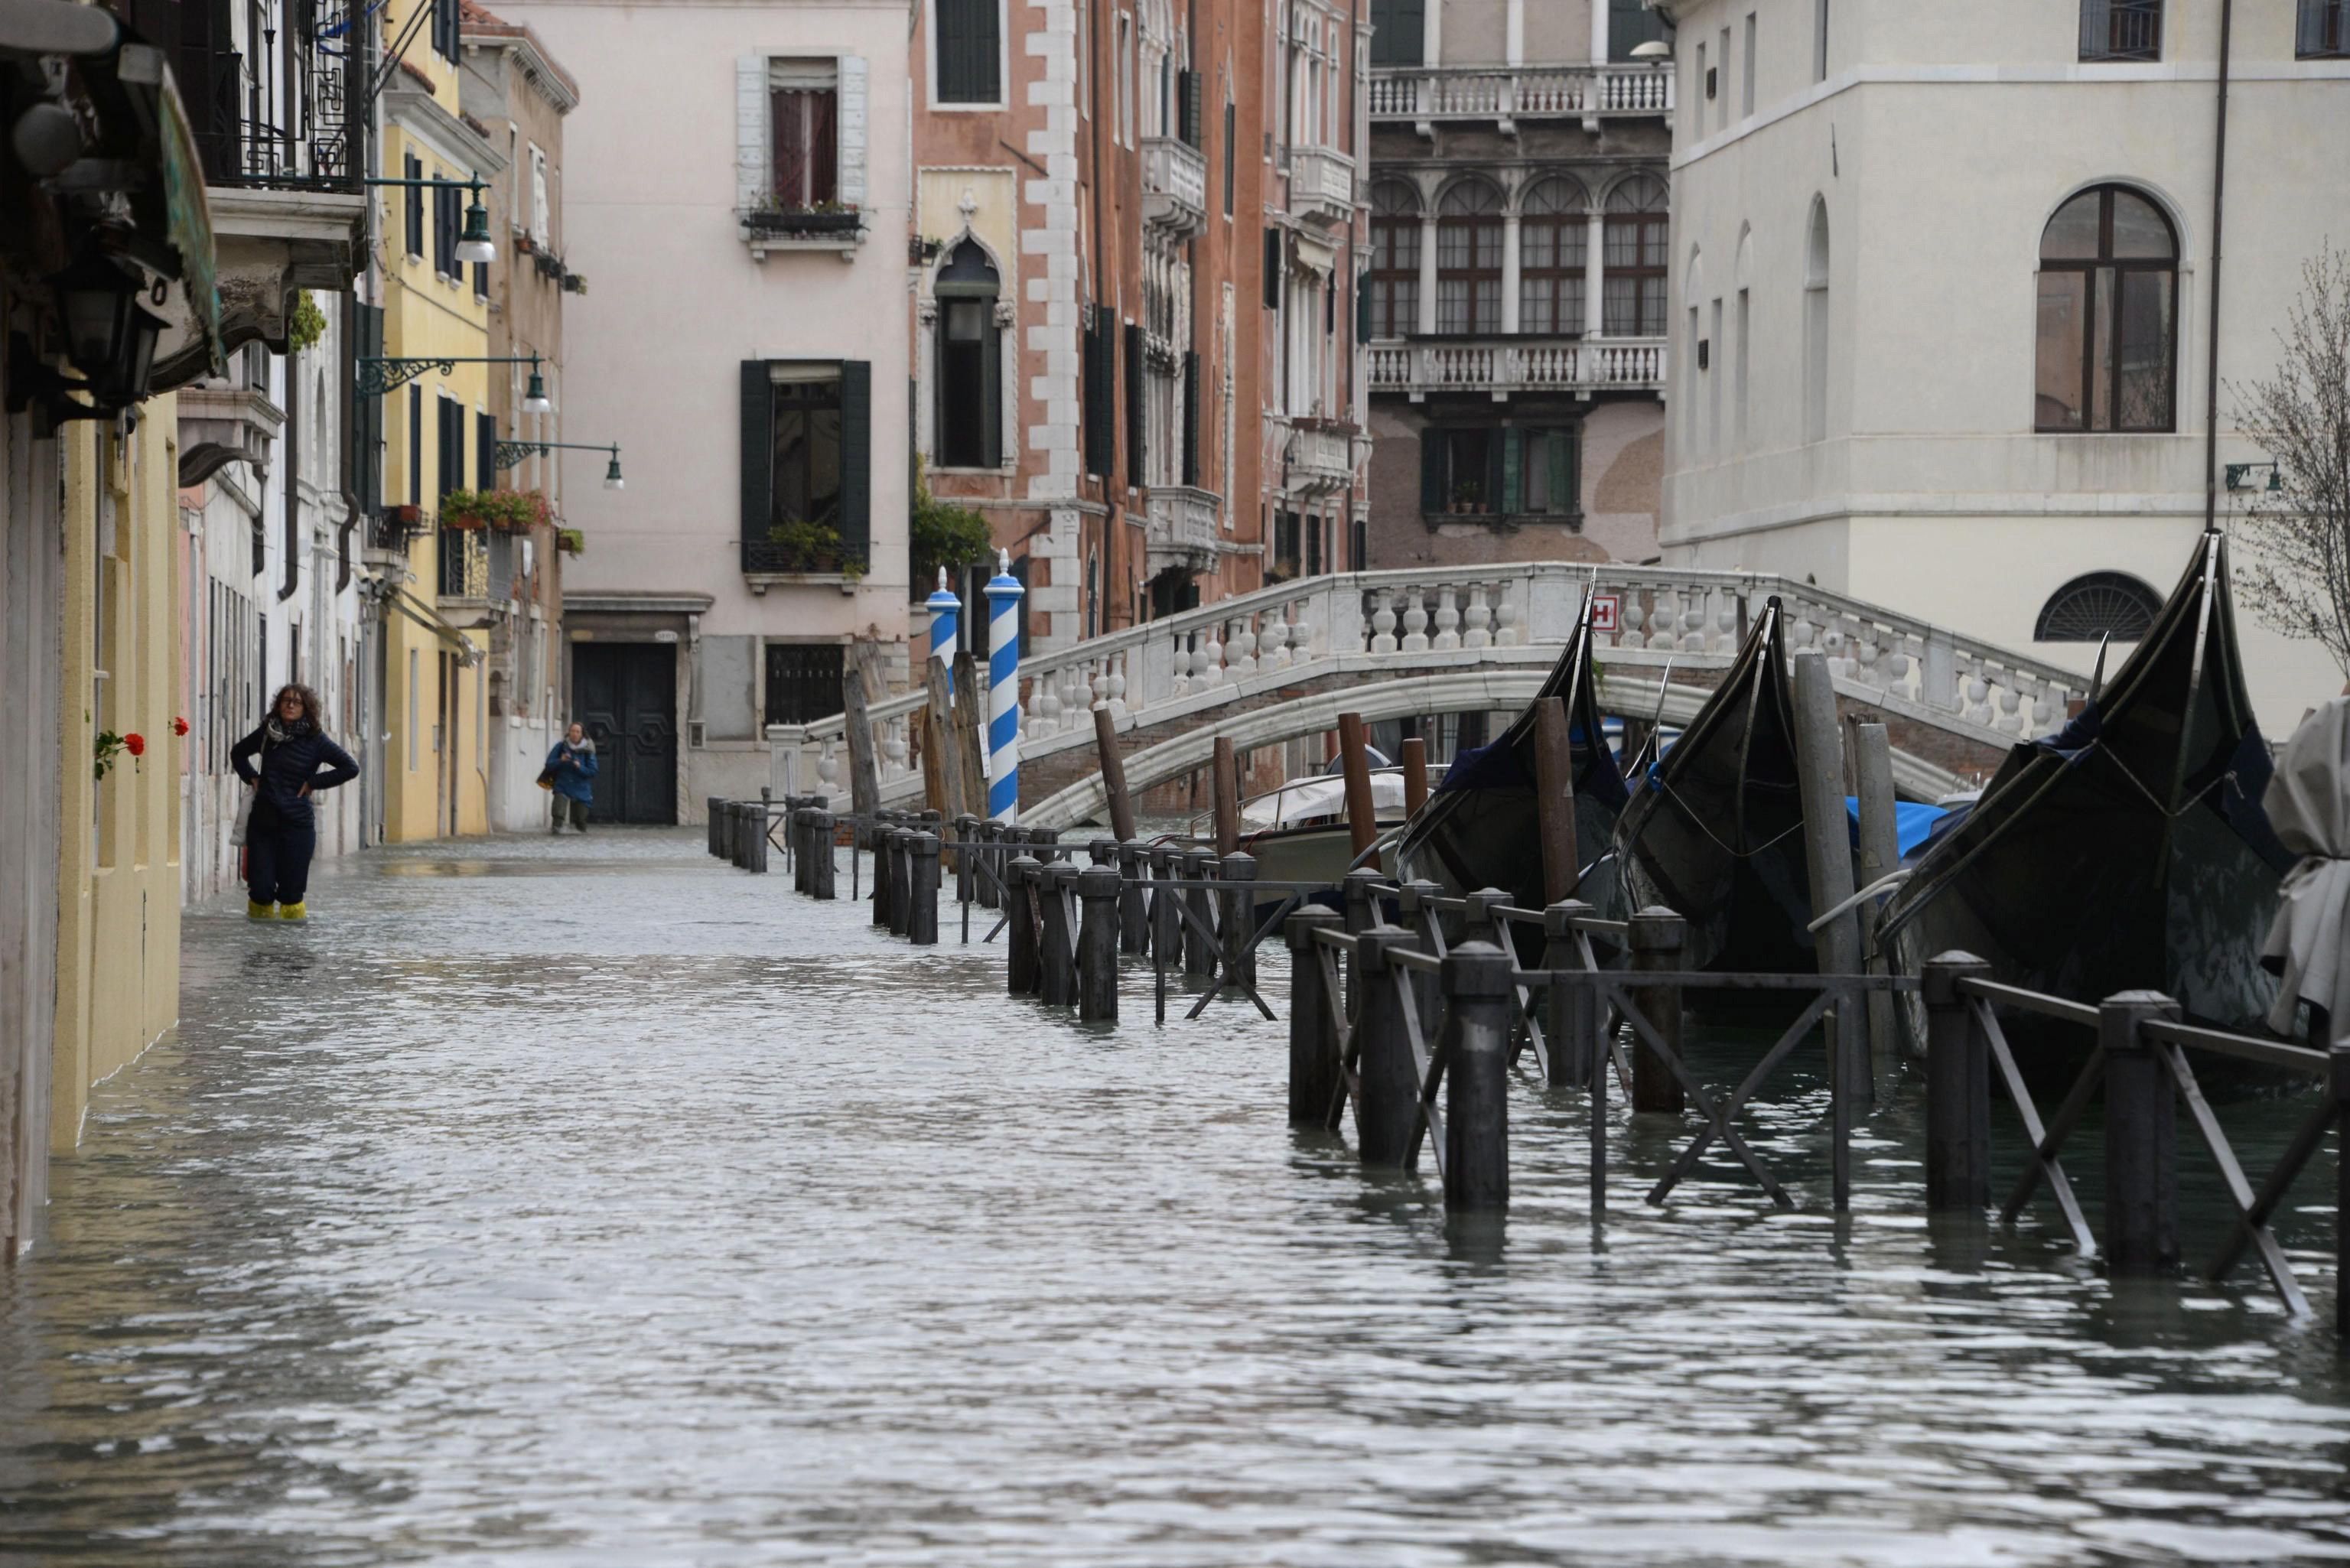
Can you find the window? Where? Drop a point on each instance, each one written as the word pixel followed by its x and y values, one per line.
pixel 1550 247
pixel 2109 287
pixel 446 23
pixel 542 225
pixel 2323 32
pixel 1819 40
pixel 1100 368
pixel 1549 483
pixel 1630 24
pixel 1742 327
pixel 808 443
pixel 2119 29
pixel 803 116
pixel 1398 28
pixel 1459 470
pixel 1815 326
pixel 1510 471
pixel 1637 230
pixel 1746 71
pixel 448 214
pixel 804 681
pixel 1468 258
pixel 413 168
pixel 1123 66
pixel 969 65
pixel 1231 114
pixel 415 445
pixel 969 384
pixel 1393 284
pixel 2101 604
pixel 1721 115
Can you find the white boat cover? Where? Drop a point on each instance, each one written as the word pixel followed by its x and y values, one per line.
pixel 1303 800
pixel 2308 801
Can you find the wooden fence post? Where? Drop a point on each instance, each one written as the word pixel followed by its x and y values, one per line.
pixel 877 838
pixel 1574 1032
pixel 922 890
pixel 1416 912
pixel 1313 1043
pixel 1957 1088
pixel 1239 871
pixel 755 836
pixel 1199 939
pixel 2141 1137
pixel 1880 856
pixel 1827 851
pixel 822 831
pixel 1224 779
pixel 1479 996
pixel 1390 1107
pixel 990 894
pixel 1656 936
pixel 1166 919
pixel 1414 775
pixel 1098 944
pixel 1133 904
pixel 966 831
pixel 1056 962
pixel 1020 925
pixel 901 879
pixel 1478 921
pixel 1113 773
pixel 1353 752
pixel 711 820
pixel 864 771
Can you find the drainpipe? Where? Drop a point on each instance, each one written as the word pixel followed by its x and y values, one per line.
pixel 2219 214
pixel 293 469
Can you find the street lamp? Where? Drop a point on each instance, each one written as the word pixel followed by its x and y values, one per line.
pixel 510 453
pixel 378 374
pixel 110 336
pixel 612 480
pixel 534 397
pixel 2240 476
pixel 473 241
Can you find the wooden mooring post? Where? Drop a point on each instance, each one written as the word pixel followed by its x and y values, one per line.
pixel 1113 773
pixel 1414 775
pixel 1573 1034
pixel 1957 1088
pixel 2141 1136
pixel 1020 925
pixel 1656 937
pixel 1056 960
pixel 1199 932
pixel 1224 776
pixel 1314 1065
pixel 1479 997
pixel 922 890
pixel 1880 856
pixel 1827 852
pixel 1555 800
pixel 1239 872
pixel 1133 898
pixel 1389 1111
pixel 902 878
pixel 966 831
pixel 1097 889
pixel 822 829
pixel 1355 756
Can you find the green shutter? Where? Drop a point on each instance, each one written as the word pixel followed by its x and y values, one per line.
pixel 990 394
pixel 1513 477
pixel 1564 498
pixel 1398 26
pixel 1191 472
pixel 857 462
pixel 758 454
pixel 1135 422
pixel 1431 471
pixel 1273 269
pixel 1362 309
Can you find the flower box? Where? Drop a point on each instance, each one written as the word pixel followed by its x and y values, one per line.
pixel 809 221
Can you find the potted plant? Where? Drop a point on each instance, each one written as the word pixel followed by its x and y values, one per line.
pixel 815 218
pixel 571 541
pixel 505 511
pixel 1467 496
pixel 808 543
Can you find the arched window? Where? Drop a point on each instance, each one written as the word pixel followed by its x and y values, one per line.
pixel 1816 325
pixel 2101 604
pixel 970 380
pixel 1393 280
pixel 1551 238
pixel 2107 350
pixel 1468 258
pixel 1633 302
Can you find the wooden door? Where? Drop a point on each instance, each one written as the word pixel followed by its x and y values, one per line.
pixel 625 695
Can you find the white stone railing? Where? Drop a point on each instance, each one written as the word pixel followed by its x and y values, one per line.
pixel 1182 521
pixel 1195 661
pixel 1505 365
pixel 1320 457
pixel 1501 93
pixel 1321 186
pixel 1174 183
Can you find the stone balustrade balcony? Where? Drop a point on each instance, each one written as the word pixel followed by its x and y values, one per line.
pixel 1181 527
pixel 1504 366
pixel 1321 456
pixel 1505 94
pixel 1321 187
pixel 1174 185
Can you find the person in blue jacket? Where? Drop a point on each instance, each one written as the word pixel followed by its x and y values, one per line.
pixel 285 763
pixel 572 764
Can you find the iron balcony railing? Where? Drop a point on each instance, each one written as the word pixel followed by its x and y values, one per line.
pixel 281 119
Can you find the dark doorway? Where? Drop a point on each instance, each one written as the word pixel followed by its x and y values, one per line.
pixel 625 695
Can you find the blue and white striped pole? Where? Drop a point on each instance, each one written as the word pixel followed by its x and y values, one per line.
pixel 1003 593
pixel 946 614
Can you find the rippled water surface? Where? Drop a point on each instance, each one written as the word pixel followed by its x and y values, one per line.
pixel 584 1201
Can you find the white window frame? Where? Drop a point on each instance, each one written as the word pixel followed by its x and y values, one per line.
pixel 1003 99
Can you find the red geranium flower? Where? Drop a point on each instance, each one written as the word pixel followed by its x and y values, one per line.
pixel 135 745
pixel 178 726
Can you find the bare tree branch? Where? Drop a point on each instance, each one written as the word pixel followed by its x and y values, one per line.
pixel 2299 535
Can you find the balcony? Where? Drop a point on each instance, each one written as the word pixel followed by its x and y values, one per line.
pixel 1322 187
pixel 1504 95
pixel 1321 456
pixel 1181 530
pixel 221 424
pixel 1505 366
pixel 1174 186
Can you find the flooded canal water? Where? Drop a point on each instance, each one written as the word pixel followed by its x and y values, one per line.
pixel 586 1202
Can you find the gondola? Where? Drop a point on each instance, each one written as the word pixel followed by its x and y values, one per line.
pixel 2128 851
pixel 1715 831
pixel 1479 828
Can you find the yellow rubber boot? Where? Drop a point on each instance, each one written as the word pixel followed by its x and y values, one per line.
pixel 254 911
pixel 292 911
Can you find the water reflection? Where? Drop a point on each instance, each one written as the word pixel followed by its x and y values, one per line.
pixel 586 1202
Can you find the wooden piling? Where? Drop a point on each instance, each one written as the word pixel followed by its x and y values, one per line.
pixel 710 821
pixel 1657 936
pixel 822 833
pixel 1098 944
pixel 1166 920
pixel 989 895
pixel 1480 997
pixel 2141 1137
pixel 941 776
pixel 966 862
pixel 1880 856
pixel 878 838
pixel 1225 776
pixel 970 734
pixel 1389 1107
pixel 922 890
pixel 1113 773
pixel 2338 1086
pixel 1958 1086
pixel 1238 871
pixel 1573 1034
pixel 1057 959
pixel 1199 937
pixel 1827 852
pixel 1020 925
pixel 1353 751
pixel 755 836
pixel 902 879
pixel 1314 1068
pixel 1555 800
pixel 864 770
pixel 1415 774
pixel 1133 900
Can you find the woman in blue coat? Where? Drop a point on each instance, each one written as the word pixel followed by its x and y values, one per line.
pixel 285 761
pixel 571 775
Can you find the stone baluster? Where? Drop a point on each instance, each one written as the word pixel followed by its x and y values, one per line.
pixel 1802 629
pixel 1383 623
pixel 893 748
pixel 1118 708
pixel 1478 623
pixel 1725 622
pixel 1208 659
pixel 1300 639
pixel 1664 623
pixel 1693 619
pixel 1447 621
pixel 1833 644
pixel 1179 684
pixel 1630 620
pixel 1415 621
pixel 1043 705
pixel 1273 639
pixel 1098 688
pixel 827 770
pixel 1507 632
pixel 1239 654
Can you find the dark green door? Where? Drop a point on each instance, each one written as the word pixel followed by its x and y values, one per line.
pixel 625 693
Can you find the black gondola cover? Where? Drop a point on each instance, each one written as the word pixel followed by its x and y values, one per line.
pixel 1478 829
pixel 2129 850
pixel 1716 832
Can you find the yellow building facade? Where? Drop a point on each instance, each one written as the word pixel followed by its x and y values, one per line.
pixel 119 847
pixel 436 759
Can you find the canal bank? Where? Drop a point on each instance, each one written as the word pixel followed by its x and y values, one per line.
pixel 585 1201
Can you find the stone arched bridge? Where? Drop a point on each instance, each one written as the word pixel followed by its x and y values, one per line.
pixel 1285 661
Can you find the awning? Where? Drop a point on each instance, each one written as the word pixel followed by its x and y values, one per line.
pixel 428 617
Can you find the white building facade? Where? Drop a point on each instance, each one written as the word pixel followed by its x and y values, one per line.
pixel 750 356
pixel 1941 298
